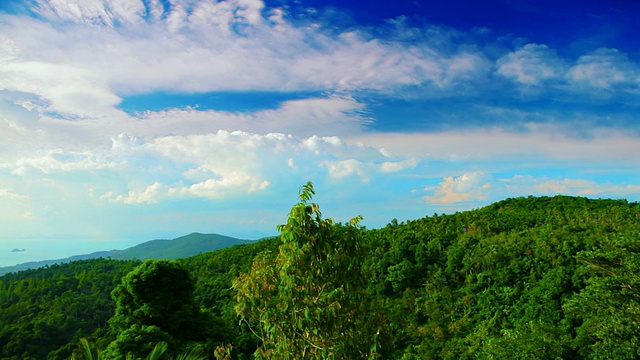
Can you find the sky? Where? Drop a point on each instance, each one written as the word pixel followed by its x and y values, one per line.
pixel 123 121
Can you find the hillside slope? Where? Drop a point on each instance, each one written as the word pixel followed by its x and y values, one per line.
pixel 181 247
pixel 526 278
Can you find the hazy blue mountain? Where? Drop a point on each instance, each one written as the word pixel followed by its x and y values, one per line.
pixel 181 247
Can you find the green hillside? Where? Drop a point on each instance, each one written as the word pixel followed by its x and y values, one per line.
pixel 181 247
pixel 526 278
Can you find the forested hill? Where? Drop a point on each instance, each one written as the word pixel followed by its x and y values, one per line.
pixel 544 278
pixel 181 247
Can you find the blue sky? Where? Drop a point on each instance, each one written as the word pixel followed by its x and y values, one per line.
pixel 123 121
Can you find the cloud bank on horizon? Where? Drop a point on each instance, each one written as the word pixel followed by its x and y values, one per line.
pixel 131 118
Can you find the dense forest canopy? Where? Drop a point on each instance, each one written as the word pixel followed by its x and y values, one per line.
pixel 537 277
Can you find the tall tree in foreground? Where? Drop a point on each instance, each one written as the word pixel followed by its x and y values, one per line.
pixel 308 301
pixel 155 304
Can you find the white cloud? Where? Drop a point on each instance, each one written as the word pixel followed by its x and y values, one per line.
pixel 224 162
pixel 34 143
pixel 469 187
pixel 594 145
pixel 482 188
pixel 80 58
pixel 391 166
pixel 66 89
pixel 150 195
pixel 58 160
pixel 95 12
pixel 604 69
pixel 7 194
pixel 228 185
pixel 232 164
pixel 531 65
pixel 333 115
pixel 464 69
pixel 344 168
pixel 520 185
pixel 85 55
pixel 538 65
pixel 530 185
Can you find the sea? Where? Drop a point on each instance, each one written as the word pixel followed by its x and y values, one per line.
pixel 18 251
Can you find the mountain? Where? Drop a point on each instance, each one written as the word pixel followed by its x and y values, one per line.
pixel 181 247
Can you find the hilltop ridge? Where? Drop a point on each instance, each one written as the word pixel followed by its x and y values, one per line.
pixel 169 249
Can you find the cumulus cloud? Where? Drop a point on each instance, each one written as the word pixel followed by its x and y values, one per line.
pixel 395 166
pixel 604 69
pixel 150 168
pixel 344 168
pixel 226 165
pixel 531 65
pixel 468 187
pixel 223 163
pixel 366 169
pixel 149 195
pixel 540 66
pixel 220 188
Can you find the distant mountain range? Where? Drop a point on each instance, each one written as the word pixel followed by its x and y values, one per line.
pixel 181 247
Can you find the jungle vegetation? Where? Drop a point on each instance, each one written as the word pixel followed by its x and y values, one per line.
pixel 523 278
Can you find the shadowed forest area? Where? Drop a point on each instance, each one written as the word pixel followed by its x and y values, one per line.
pixel 537 277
